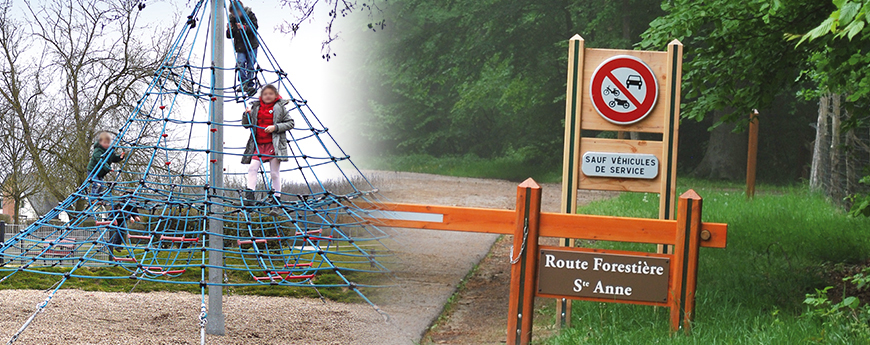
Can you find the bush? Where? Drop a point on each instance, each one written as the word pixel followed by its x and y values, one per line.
pixel 6 218
pixel 849 316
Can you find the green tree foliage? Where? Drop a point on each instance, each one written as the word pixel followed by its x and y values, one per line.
pixel 736 57
pixel 487 78
pixel 842 50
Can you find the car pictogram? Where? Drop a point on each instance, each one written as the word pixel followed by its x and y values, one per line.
pixel 634 79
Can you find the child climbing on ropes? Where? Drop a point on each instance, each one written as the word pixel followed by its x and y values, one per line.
pixel 122 212
pixel 268 120
pixel 104 140
pixel 242 29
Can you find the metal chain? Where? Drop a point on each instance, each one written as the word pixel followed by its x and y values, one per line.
pixel 39 308
pixel 523 245
pixel 203 320
pixel 203 316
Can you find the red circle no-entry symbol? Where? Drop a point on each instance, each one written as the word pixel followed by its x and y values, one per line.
pixel 623 89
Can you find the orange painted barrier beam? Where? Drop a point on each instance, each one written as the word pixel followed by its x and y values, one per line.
pixel 600 228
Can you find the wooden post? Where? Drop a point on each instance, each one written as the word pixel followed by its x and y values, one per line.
pixel 752 155
pixel 684 276
pixel 524 264
pixel 571 161
pixel 670 137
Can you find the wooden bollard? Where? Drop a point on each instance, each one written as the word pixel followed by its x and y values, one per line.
pixel 524 264
pixel 684 276
pixel 752 154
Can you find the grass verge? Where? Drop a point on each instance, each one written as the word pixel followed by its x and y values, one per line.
pixel 451 302
pixel 117 278
pixel 752 291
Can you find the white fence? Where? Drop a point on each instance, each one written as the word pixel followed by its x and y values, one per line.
pixel 841 154
pixel 62 257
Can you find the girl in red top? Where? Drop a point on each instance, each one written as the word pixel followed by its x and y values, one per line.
pixel 269 120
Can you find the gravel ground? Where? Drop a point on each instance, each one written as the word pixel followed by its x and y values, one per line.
pixel 428 265
pixel 83 317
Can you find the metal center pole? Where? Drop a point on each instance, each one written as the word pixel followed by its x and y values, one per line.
pixel 215 324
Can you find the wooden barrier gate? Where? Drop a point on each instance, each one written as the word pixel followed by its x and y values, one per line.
pixel 671 284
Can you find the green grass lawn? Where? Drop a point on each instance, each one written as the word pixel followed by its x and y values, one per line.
pixel 116 279
pixel 748 293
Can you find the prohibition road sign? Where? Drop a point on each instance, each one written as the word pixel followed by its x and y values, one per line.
pixel 623 89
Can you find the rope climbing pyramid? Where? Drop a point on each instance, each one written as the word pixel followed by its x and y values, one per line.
pixel 165 214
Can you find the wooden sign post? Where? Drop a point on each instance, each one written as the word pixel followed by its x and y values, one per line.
pixel 522 291
pixel 664 280
pixel 620 91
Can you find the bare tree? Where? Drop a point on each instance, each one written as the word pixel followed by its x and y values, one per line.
pixel 305 10
pixel 93 66
pixel 17 181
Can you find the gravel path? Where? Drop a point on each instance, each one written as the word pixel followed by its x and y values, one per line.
pixel 428 265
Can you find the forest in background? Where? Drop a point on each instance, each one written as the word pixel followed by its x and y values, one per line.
pixel 485 80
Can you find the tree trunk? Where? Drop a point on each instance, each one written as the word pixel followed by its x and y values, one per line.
pixel 835 187
pixel 725 158
pixel 17 213
pixel 852 176
pixel 818 166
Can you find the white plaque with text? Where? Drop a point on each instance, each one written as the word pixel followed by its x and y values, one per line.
pixel 620 165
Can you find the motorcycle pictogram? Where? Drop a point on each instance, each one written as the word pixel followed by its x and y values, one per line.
pixel 624 103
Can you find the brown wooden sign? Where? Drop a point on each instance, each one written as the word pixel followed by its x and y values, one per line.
pixel 594 274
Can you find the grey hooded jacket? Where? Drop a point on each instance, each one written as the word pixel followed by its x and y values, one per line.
pixel 283 123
